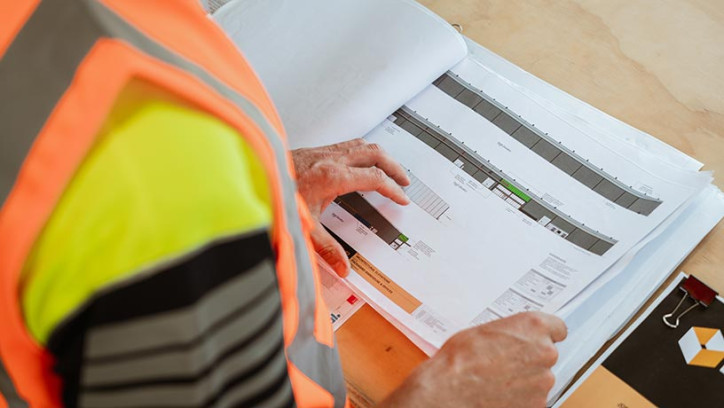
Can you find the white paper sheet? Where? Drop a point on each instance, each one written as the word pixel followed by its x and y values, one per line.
pixel 606 310
pixel 604 306
pixel 583 115
pixel 335 69
pixel 625 163
pixel 340 299
pixel 469 253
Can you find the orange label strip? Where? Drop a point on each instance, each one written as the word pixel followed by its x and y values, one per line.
pixel 384 284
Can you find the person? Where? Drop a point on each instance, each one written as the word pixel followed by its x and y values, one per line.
pixel 155 250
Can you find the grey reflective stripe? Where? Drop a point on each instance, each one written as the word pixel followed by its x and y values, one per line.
pixel 8 391
pixel 317 361
pixel 262 363
pixel 282 397
pixel 180 326
pixel 34 72
pixel 212 5
pixel 254 324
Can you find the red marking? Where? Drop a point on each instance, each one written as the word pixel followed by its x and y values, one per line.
pixel 699 291
pixel 352 299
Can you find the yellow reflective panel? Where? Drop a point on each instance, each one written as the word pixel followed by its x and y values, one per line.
pixel 162 180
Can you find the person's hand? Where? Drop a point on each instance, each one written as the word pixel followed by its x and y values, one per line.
pixel 505 363
pixel 324 173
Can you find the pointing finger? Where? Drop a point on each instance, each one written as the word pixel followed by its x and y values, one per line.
pixel 555 327
pixel 371 179
pixel 340 147
pixel 372 155
pixel 330 250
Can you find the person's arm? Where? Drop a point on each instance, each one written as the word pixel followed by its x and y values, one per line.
pixel 154 282
pixel 324 173
pixel 506 363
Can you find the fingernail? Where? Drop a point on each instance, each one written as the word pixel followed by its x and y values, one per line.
pixel 342 268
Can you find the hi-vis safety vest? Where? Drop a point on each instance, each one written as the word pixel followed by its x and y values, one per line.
pixel 58 82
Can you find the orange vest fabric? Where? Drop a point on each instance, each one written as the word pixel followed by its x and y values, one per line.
pixel 63 65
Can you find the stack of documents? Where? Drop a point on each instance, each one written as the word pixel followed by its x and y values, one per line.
pixel 523 197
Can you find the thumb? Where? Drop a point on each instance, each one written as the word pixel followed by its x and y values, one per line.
pixel 330 250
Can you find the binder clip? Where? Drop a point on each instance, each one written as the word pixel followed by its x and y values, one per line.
pixel 698 291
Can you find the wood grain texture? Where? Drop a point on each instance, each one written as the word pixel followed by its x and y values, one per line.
pixel 658 65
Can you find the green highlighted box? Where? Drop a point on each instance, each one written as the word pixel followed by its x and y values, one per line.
pixel 515 190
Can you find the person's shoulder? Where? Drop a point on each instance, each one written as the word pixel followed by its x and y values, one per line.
pixel 163 179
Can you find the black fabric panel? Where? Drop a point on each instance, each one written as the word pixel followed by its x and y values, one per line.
pixel 184 284
pixel 176 287
pixel 68 351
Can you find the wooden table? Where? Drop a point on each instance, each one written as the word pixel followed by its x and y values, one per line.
pixel 657 65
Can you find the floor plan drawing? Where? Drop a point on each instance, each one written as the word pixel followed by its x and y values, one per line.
pixel 502 185
pixel 422 195
pixel 543 145
pixel 364 212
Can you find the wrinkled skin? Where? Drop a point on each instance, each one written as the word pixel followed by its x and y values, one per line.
pixel 506 363
pixel 324 173
pixel 503 364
